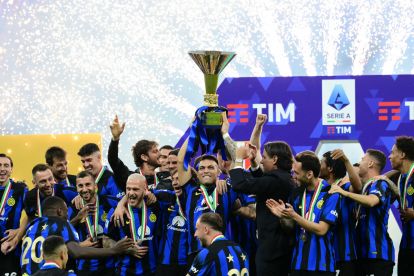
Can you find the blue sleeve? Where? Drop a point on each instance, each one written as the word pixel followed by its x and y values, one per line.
pixel 111 200
pixel 110 188
pixel 246 199
pixel 69 233
pixel 330 209
pixel 346 186
pixel 202 264
pixel 68 193
pixel 233 196
pixel 379 188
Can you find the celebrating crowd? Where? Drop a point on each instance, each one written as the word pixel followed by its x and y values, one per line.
pixel 284 215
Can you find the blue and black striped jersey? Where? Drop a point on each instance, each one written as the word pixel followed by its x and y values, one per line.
pixel 106 203
pixel 344 233
pixel 316 253
pixel 30 202
pixel 108 186
pixel 127 264
pixel 37 231
pixel 222 257
pixel 407 239
pixel 195 205
pixel 373 240
pixel 173 247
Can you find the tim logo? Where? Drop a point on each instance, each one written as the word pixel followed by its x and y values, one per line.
pixel 389 111
pixel 276 113
pixel 334 130
pixel 338 98
pixel 240 109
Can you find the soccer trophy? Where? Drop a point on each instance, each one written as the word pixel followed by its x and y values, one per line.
pixel 205 130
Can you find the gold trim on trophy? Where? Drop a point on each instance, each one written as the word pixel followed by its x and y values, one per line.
pixel 211 63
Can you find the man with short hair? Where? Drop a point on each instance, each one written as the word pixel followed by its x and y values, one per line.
pixel 55 254
pixel 91 159
pixel 12 195
pixel 44 186
pixel 273 181
pixel 145 153
pixel 402 159
pixel 314 212
pixel 56 159
pixel 54 222
pixel 142 226
pixel 375 249
pixel 199 195
pixel 163 174
pixel 219 256
pixel 89 222
pixel 163 159
pixel 173 161
pixel 334 166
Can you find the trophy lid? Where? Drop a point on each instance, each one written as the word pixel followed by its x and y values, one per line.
pixel 211 62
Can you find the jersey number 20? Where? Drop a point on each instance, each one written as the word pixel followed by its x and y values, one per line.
pixel 36 243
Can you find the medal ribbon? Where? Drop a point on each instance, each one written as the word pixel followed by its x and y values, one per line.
pixel 404 193
pixel 67 182
pixel 212 200
pixel 337 181
pixel 143 221
pixel 316 193
pixel 5 196
pixel 39 205
pixel 93 229
pixel 364 191
pixel 101 172
pixel 180 209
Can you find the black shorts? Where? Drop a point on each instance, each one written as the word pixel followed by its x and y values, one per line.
pixel 171 270
pixel 102 272
pixel 374 267
pixel 311 273
pixel 346 268
pixel 405 262
pixel 9 264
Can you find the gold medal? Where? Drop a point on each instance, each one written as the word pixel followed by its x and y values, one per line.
pixel 304 237
pixel 410 190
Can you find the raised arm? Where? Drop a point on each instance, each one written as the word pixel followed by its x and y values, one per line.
pixel 230 144
pixel 255 138
pixel 356 184
pixel 184 175
pixel 120 170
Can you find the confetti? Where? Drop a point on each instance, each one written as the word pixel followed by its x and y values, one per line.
pixel 70 66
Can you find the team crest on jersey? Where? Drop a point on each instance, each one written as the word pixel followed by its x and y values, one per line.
pixel 147 231
pixel 11 201
pixel 410 190
pixel 104 216
pixel 178 221
pixel 319 204
pixel 153 218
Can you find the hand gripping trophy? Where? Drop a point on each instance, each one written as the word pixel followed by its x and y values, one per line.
pixel 205 130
